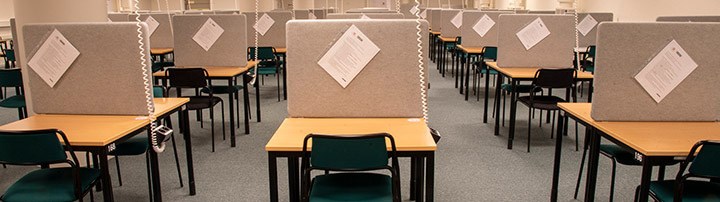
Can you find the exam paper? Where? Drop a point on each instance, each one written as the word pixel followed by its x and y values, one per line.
pixel 53 58
pixel 666 71
pixel 263 24
pixel 208 34
pixel 414 10
pixel 457 20
pixel 348 56
pixel 152 24
pixel 532 34
pixel 586 25
pixel 484 25
pixel 312 16
pixel 364 17
pixel 423 14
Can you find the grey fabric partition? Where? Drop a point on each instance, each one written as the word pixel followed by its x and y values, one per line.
pixel 119 17
pixel 436 20
pixel 448 29
pixel 320 13
pixel 370 15
pixel 389 86
pixel 470 38
pixel 101 80
pixel 624 49
pixel 541 12
pixel 229 50
pixel 301 14
pixel 591 38
pixel 217 12
pixel 163 35
pixel 369 10
pixel 521 11
pixel 488 9
pixel 428 17
pixel 405 10
pixel 16 47
pixel 275 36
pixel 555 51
pixel 688 19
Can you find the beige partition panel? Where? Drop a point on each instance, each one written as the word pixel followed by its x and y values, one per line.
pixel 229 50
pixel 624 49
pixel 591 38
pixel 428 17
pixel 275 36
pixel 319 13
pixel 448 29
pixel 470 38
pixel 301 14
pixel 555 51
pixel 389 86
pixel 16 47
pixel 101 80
pixel 688 19
pixel 218 12
pixel 119 17
pixel 369 15
pixel 163 35
pixel 541 12
pixel 436 20
pixel 369 10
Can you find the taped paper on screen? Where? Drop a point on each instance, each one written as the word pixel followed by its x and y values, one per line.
pixel 666 71
pixel 152 24
pixel 53 58
pixel 457 20
pixel 586 25
pixel 312 16
pixel 264 24
pixel 533 33
pixel 423 14
pixel 484 25
pixel 208 34
pixel 348 56
pixel 364 17
pixel 414 10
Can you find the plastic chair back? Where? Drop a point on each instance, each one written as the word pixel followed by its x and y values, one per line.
pixel 490 52
pixel 10 78
pixel 706 162
pixel 365 152
pixel 187 77
pixel 10 55
pixel 32 147
pixel 264 53
pixel 555 78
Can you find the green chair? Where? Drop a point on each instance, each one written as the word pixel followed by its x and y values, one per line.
pixel 268 64
pixel 12 78
pixel 349 156
pixel 9 55
pixel 42 147
pixel 489 54
pixel 617 154
pixel 703 164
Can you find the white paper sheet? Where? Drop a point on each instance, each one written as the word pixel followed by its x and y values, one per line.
pixel 208 34
pixel 109 20
pixel 364 17
pixel 423 14
pixel 666 71
pixel 348 56
pixel 457 20
pixel 484 25
pixel 312 16
pixel 264 24
pixel 532 34
pixel 53 58
pixel 586 25
pixel 414 10
pixel 152 24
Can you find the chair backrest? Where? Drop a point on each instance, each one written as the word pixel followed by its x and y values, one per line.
pixel 555 78
pixel 458 40
pixel 187 77
pixel 10 55
pixel 706 162
pixel 490 52
pixel 349 153
pixel 32 147
pixel 159 91
pixel 591 51
pixel 264 53
pixel 10 78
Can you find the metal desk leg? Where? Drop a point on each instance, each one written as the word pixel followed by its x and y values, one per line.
pixel 257 98
pixel 413 177
pixel 467 78
pixel 497 101
pixel 284 70
pixel 430 178
pixel 105 175
pixel 558 158
pixel 590 91
pixel 513 111
pixel 188 150
pixel 155 170
pixel 420 174
pixel 592 165
pixel 645 180
pixel 487 89
pixel 272 168
pixel 246 106
pixel 231 107
pixel 294 179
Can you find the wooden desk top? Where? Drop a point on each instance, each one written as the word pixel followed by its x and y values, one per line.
pixel 448 39
pixel 650 138
pixel 471 49
pixel 434 33
pixel 161 51
pixel 93 130
pixel 281 50
pixel 529 72
pixel 408 135
pixel 221 72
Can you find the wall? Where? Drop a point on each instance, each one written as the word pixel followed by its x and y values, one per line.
pixel 7 11
pixel 648 10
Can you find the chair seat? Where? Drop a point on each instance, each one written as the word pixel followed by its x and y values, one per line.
pixel 267 70
pixel 222 89
pixel 489 71
pixel 202 102
pixel 17 101
pixel 542 102
pixel 692 190
pixel 589 69
pixel 134 146
pixel 56 184
pixel 351 187
pixel 621 155
pixel 520 88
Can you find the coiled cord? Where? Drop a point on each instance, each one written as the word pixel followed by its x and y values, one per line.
pixel 421 63
pixel 577 37
pixel 146 81
pixel 255 70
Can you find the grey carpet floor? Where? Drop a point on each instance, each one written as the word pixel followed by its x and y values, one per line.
pixel 471 163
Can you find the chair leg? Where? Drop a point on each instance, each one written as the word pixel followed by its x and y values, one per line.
pixel 277 77
pixel 576 136
pixel 552 125
pixel 177 160
pixel 117 165
pixel 200 117
pixel 612 181
pixel 212 128
pixel 222 118
pixel 502 118
pixel 582 164
pixel 528 129
pixel 147 171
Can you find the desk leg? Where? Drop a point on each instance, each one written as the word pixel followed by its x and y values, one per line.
pixel 284 70
pixel 294 179
pixel 442 58
pixel 257 98
pixel 420 166
pixel 188 150
pixel 645 180
pixel 272 168
pixel 500 78
pixel 487 88
pixel 455 70
pixel 413 177
pixel 231 107
pixel 430 178
pixel 154 169
pixel 558 157
pixel 513 111
pixel 467 79
pixel 590 91
pixel 592 164
pixel 246 105
pixel 105 175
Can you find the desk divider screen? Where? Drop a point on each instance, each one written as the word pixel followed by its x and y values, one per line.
pixel 436 19
pixel 275 36
pixel 555 51
pixel 405 10
pixel 163 36
pixel 102 80
pixel 369 10
pixel 119 17
pixel 229 50
pixel 688 19
pixel 521 11
pixel 223 12
pixel 470 38
pixel 301 14
pixel 370 15
pixel 448 29
pixel 624 49
pixel 541 12
pixel 319 13
pixel 591 38
pixel 16 47
pixel 428 17
pixel 389 86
